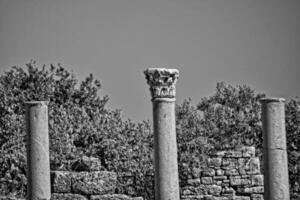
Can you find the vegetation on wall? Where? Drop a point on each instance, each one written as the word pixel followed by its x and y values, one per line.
pixel 80 124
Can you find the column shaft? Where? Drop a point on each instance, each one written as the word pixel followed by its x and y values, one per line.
pixel 38 151
pixel 162 86
pixel 276 180
pixel 166 169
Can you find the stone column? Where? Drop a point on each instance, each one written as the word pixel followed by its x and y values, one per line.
pixel 162 88
pixel 38 151
pixel 276 179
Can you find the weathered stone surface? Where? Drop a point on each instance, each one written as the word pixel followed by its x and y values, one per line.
pixel 218 178
pixel 113 197
pixel 208 172
pixel 162 82
pixel 233 154
pixel 39 186
pixel 275 155
pixel 206 180
pixel 214 162
pixel 214 189
pixel 248 151
pixel 237 180
pixel 196 172
pixel 248 166
pixel 257 180
pixel 220 172
pixel 241 198
pixel 229 163
pixel 257 197
pixel 228 190
pixel 67 196
pixel 86 164
pixel 90 183
pixel 194 182
pixel 251 190
pixel 61 181
pixel 10 198
pixel 231 172
pixel 228 178
pixel 162 87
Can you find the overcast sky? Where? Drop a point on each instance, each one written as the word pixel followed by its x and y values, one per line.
pixel 250 42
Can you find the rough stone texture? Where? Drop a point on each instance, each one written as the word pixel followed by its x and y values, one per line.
pixel 10 198
pixel 162 86
pixel 38 176
pixel 276 181
pixel 66 196
pixel 89 183
pixel 86 164
pixel 113 197
pixel 61 181
pixel 232 174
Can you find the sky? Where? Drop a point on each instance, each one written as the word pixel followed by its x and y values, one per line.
pixel 237 41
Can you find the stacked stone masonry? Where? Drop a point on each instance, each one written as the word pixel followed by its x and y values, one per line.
pixel 230 175
pixel 86 182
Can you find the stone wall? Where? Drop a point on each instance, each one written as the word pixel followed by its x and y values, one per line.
pixel 86 181
pixel 233 174
pixel 230 175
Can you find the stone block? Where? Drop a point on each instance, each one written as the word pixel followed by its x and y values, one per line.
pixel 114 197
pixel 257 180
pixel 93 183
pixel 219 178
pixel 241 198
pixel 206 180
pixel 208 172
pixel 237 180
pixel 229 163
pixel 216 153
pixel 248 151
pixel 231 172
pixel 254 166
pixel 67 196
pixel 86 164
pixel 194 182
pixel 249 166
pixel 214 190
pixel 192 197
pixel 228 190
pixel 251 190
pixel 220 172
pixel 221 198
pixel 61 181
pixel 214 162
pixel 257 197
pixel 196 172
pixel 10 198
pixel 233 154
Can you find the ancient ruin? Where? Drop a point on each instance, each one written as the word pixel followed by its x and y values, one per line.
pixel 275 155
pixel 38 150
pixel 162 86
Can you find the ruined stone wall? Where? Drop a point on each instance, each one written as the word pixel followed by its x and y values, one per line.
pixel 93 185
pixel 233 174
pixel 230 175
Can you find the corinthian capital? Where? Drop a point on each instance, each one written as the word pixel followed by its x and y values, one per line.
pixel 162 82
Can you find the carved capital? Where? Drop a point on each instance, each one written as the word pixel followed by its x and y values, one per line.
pixel 162 82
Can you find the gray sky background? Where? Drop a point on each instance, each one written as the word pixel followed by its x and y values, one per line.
pixel 237 41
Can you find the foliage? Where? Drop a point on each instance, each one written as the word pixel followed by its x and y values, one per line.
pixel 293 144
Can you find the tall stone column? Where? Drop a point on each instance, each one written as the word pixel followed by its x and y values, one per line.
pixel 162 88
pixel 276 180
pixel 38 151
